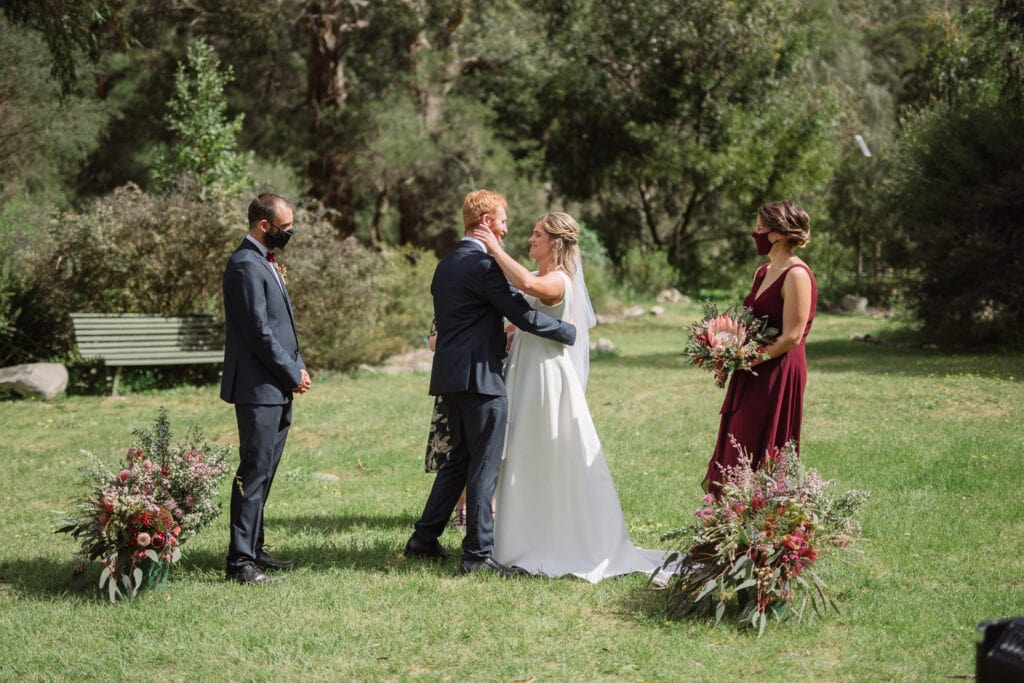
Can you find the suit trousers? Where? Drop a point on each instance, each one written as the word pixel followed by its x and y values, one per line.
pixel 477 423
pixel 262 432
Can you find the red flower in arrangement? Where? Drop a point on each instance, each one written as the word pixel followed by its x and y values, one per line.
pixel 759 540
pixel 794 541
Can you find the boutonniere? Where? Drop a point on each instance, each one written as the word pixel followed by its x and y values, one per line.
pixel 281 269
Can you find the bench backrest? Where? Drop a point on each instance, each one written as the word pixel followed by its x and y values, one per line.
pixel 135 339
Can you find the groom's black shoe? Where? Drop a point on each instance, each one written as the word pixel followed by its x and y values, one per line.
pixel 250 574
pixel 431 551
pixel 269 564
pixel 490 566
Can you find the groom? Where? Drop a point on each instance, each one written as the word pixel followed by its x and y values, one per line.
pixel 470 297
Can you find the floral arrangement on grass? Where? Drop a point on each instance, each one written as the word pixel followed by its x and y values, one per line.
pixel 723 343
pixel 134 520
pixel 760 539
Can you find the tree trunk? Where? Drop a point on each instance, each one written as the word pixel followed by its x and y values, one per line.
pixel 327 91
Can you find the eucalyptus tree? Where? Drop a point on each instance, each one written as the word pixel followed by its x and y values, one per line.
pixel 870 52
pixel 669 120
pixel 70 29
pixel 400 140
pixel 43 138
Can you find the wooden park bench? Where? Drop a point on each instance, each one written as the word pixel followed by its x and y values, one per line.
pixel 137 340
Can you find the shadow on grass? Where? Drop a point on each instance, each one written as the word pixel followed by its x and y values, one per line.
pixel 42 577
pixel 839 356
pixel 650 605
pixel 337 524
pixel 325 543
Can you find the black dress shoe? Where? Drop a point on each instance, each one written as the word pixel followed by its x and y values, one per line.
pixel 251 574
pixel 267 563
pixel 432 551
pixel 490 566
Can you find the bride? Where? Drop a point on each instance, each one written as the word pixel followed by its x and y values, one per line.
pixel 557 509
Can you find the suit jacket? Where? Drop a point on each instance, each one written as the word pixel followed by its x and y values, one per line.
pixel 471 295
pixel 262 363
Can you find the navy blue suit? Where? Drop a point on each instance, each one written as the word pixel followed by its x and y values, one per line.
pixel 262 365
pixel 471 295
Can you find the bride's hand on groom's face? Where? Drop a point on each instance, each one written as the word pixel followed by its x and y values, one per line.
pixel 488 238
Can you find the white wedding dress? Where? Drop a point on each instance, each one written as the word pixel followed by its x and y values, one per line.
pixel 557 509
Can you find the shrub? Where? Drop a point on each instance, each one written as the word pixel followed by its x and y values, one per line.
pixel 645 271
pixel 134 252
pixel 354 305
pixel 37 326
pixel 128 252
pixel 958 194
pixel 597 267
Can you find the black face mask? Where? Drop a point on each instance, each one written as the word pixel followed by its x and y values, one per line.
pixel 279 239
pixel 763 244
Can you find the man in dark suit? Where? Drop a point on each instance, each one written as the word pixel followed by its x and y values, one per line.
pixel 470 297
pixel 262 369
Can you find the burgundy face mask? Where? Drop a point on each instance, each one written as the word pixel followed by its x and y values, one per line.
pixel 763 245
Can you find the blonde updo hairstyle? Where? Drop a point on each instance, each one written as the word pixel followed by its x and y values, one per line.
pixel 786 219
pixel 564 233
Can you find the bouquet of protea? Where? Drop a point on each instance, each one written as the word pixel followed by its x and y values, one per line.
pixel 723 343
pixel 760 539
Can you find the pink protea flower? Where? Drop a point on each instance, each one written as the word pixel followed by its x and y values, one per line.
pixel 723 332
pixel 705 515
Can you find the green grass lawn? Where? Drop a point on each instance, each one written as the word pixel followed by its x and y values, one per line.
pixel 936 437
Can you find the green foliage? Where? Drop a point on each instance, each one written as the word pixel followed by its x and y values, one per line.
pixel 644 272
pixel 679 118
pixel 68 27
pixel 958 194
pixel 666 122
pixel 955 185
pixel 405 286
pixel 414 170
pixel 599 271
pixel 129 252
pixel 44 140
pixel 8 314
pixel 205 146
pixel 353 305
pixel 135 252
pixel 39 326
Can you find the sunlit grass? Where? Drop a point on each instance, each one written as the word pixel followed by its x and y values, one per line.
pixel 934 436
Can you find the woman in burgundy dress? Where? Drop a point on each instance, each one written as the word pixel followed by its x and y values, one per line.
pixel 765 410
